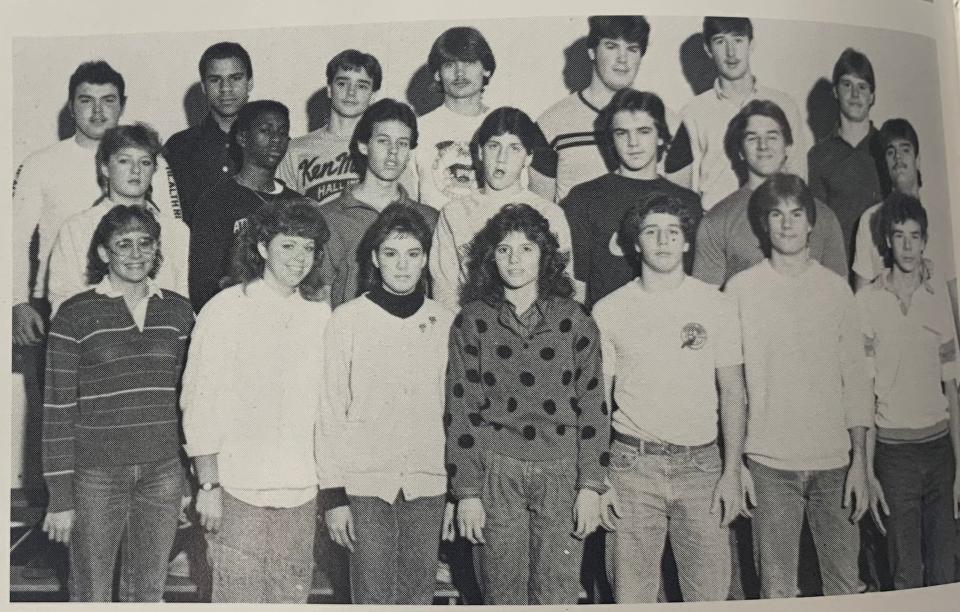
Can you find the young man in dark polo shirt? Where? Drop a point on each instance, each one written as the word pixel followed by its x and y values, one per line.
pixel 381 146
pixel 635 135
pixel 199 156
pixel 846 170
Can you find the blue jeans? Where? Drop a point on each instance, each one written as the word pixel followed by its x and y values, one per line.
pixel 530 556
pixel 917 481
pixel 394 558
pixel 783 496
pixel 661 494
pixel 141 502
pixel 263 555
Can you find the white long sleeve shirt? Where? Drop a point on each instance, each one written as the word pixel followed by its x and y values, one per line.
pixel 252 392
pixel 51 185
pixel 67 270
pixel 806 372
pixel 382 426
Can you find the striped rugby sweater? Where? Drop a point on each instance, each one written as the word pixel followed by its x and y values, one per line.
pixel 110 389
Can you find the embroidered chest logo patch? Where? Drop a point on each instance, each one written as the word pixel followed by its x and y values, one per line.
pixel 693 336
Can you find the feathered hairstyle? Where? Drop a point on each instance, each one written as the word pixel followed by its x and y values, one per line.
pixel 896 208
pixel 291 218
pixel 120 219
pixel 483 279
pixel 399 219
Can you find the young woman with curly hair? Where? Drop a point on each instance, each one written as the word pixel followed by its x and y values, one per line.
pixel 251 396
pixel 527 427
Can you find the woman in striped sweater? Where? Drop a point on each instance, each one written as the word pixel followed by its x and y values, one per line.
pixel 110 431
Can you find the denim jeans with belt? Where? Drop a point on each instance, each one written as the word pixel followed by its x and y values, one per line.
pixel 660 494
pixel 262 554
pixel 394 558
pixel 141 501
pixel 917 481
pixel 530 555
pixel 783 496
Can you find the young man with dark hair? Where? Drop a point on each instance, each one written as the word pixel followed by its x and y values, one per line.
pixel 501 150
pixel 259 137
pixel 808 394
pixel 635 134
pixel 669 342
pixel 758 142
pixel 380 148
pixel 697 158
pixel 318 164
pixel 616 44
pixel 462 64
pixel 901 153
pixel 911 345
pixel 200 155
pixel 59 181
pixel 847 170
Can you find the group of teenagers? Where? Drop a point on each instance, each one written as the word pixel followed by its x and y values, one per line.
pixel 493 328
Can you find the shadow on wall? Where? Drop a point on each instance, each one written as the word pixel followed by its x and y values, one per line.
pixel 698 69
pixel 318 109
pixel 423 93
pixel 195 105
pixel 65 125
pixel 823 114
pixel 577 67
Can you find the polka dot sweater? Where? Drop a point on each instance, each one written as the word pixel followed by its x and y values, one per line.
pixel 533 395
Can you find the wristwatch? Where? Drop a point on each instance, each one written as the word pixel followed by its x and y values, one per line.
pixel 209 486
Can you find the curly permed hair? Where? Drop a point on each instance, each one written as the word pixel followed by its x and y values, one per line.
pixel 483 279
pixel 289 217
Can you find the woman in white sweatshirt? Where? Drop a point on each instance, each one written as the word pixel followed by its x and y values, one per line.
pixel 251 398
pixel 382 437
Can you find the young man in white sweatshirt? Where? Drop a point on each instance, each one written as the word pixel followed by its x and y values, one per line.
pixel 808 395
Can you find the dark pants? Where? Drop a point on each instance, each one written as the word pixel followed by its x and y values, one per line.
pixel 141 502
pixel 917 481
pixel 263 555
pixel 394 558
pixel 530 556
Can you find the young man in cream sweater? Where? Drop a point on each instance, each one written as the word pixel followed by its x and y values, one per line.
pixel 808 394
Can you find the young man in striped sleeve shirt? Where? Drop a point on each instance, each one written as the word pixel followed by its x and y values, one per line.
pixel 110 432
pixel 616 45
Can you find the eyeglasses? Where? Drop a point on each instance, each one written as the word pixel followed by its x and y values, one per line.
pixel 126 246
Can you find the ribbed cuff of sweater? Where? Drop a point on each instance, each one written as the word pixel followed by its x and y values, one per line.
pixel 334 497
pixel 60 488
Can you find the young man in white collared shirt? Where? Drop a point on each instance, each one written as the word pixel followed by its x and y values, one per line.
pixel 697 158
pixel 911 346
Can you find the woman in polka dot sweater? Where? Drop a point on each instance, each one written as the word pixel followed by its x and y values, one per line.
pixel 527 427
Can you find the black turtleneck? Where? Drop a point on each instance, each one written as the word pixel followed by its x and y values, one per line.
pixel 403 306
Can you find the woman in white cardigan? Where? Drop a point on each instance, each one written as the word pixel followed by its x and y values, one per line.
pixel 251 398
pixel 382 436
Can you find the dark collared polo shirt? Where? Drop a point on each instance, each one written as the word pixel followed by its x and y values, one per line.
pixel 199 157
pixel 848 179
